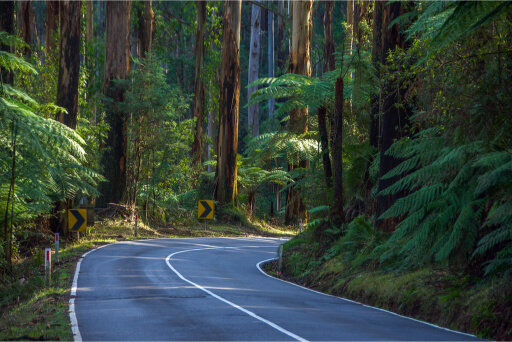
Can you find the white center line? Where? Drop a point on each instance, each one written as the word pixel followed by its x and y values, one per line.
pixel 250 313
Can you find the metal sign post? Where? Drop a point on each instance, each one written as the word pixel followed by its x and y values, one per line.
pixel 47 267
pixel 57 247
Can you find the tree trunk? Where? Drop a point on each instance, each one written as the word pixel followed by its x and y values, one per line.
pixel 117 53
pixel 376 57
pixel 254 63
pixel 270 57
pixel 25 19
pixel 67 85
pixel 226 174
pixel 146 29
pixel 337 215
pixel 300 61
pixel 69 62
pixel 7 25
pixel 281 51
pixel 199 87
pixel 329 65
pixel 51 21
pixel 350 23
pixel 394 114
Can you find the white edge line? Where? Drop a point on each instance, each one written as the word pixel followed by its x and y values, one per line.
pixel 354 302
pixel 252 314
pixel 72 314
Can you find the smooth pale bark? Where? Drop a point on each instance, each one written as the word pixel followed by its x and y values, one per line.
pixel 199 88
pixel 337 215
pixel 395 113
pixel 270 57
pixel 7 25
pixel 254 63
pixel 226 175
pixel 300 63
pixel 117 52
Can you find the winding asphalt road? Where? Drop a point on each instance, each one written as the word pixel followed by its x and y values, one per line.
pixel 210 289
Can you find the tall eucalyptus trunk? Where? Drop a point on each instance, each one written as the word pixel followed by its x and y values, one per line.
pixel 51 22
pixel 117 52
pixel 67 85
pixel 146 29
pixel 270 57
pixel 395 111
pixel 329 65
pixel 300 63
pixel 254 63
pixel 337 214
pixel 226 174
pixel 199 88
pixel 25 24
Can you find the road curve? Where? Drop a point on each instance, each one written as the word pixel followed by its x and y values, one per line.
pixel 209 289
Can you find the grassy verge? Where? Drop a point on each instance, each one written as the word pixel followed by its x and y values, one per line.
pixel 29 311
pixel 437 295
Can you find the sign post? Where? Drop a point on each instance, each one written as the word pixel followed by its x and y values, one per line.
pixel 136 228
pixel 57 247
pixel 47 267
pixel 205 211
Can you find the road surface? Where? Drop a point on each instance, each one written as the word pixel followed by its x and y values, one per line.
pixel 210 289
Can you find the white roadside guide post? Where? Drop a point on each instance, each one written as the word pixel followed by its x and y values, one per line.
pixel 48 267
pixel 280 254
pixel 57 235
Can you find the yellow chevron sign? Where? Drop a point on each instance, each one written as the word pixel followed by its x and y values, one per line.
pixel 205 209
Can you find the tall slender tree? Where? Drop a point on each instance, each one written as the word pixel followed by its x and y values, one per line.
pixel 226 174
pixel 329 65
pixel 67 84
pixel 199 87
pixel 271 64
pixel 395 112
pixel 25 24
pixel 51 22
pixel 254 63
pixel 117 52
pixel 300 63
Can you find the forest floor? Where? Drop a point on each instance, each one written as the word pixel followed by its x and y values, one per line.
pixel 30 311
pixel 454 300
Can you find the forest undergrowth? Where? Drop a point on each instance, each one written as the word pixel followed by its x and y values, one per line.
pixel 349 266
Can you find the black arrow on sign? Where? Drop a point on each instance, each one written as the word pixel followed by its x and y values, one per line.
pixel 207 208
pixel 79 220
